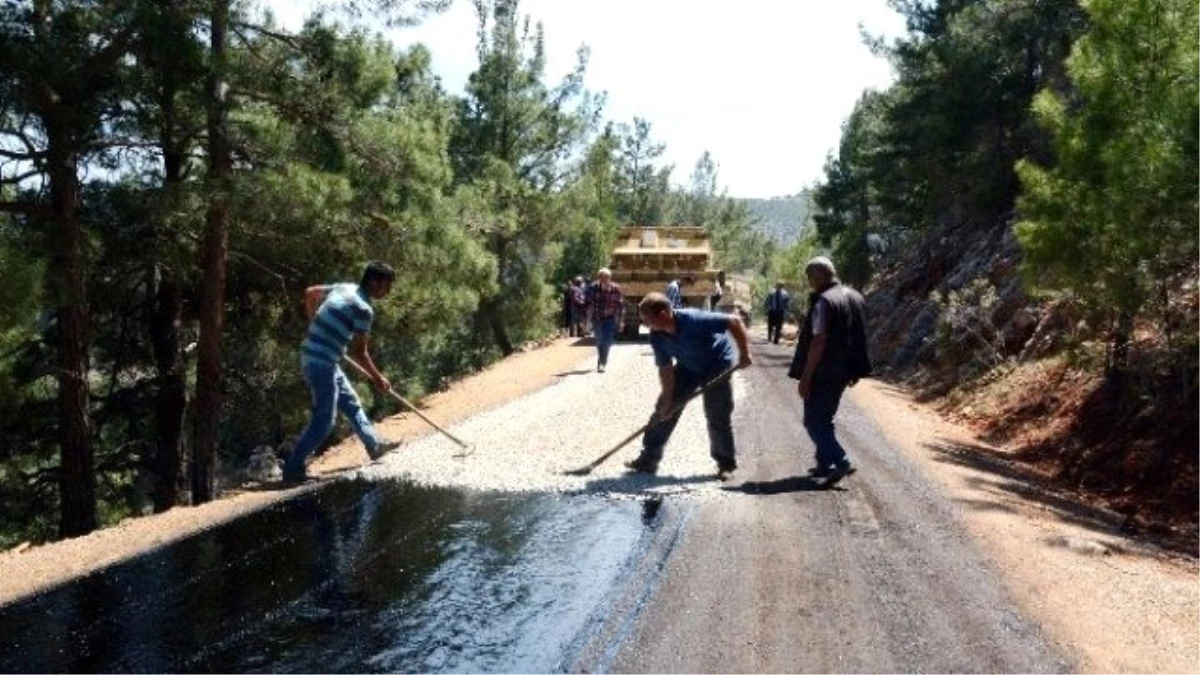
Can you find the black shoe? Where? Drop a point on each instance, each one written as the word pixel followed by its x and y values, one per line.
pixel 640 465
pixel 382 448
pixel 837 474
pixel 819 471
pixel 291 478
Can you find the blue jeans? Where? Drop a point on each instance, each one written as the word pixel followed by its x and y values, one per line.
pixel 329 387
pixel 819 409
pixel 718 411
pixel 606 335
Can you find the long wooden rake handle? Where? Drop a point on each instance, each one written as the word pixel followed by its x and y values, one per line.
pixel 585 470
pixel 362 371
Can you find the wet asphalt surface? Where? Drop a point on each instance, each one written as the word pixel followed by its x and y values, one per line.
pixel 876 576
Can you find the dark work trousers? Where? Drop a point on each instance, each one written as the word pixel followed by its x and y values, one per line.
pixel 718 410
pixel 774 325
pixel 819 409
pixel 606 335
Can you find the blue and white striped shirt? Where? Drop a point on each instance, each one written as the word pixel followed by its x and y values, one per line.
pixel 345 311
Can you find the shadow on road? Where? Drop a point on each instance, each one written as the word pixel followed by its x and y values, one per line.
pixel 781 486
pixel 581 371
pixel 638 483
pixel 1004 477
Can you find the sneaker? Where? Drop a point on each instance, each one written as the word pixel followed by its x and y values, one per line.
pixel 382 448
pixel 600 368
pixel 724 473
pixel 836 474
pixel 640 465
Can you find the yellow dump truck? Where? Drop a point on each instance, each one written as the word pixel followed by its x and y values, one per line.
pixel 646 259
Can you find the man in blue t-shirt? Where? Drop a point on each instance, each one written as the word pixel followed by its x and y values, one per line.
pixel 340 318
pixel 691 347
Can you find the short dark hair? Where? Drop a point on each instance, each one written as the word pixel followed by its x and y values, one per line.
pixel 377 270
pixel 653 303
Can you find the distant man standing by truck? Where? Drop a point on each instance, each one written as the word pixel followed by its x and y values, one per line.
pixel 340 317
pixel 675 291
pixel 831 354
pixel 691 347
pixel 777 308
pixel 579 307
pixel 606 308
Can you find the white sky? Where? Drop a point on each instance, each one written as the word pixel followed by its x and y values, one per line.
pixel 764 85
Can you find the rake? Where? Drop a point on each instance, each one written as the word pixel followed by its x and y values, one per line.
pixel 404 402
pixel 654 419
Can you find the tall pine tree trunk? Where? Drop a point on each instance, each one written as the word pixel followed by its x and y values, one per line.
pixel 212 296
pixel 68 292
pixel 492 308
pixel 166 317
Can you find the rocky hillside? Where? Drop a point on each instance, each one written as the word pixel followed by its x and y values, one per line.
pixel 951 317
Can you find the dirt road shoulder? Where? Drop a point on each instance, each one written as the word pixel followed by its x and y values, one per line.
pixel 1113 604
pixel 41 567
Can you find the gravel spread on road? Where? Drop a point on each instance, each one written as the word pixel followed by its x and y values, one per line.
pixel 527 445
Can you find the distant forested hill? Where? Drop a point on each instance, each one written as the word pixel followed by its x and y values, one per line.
pixel 779 217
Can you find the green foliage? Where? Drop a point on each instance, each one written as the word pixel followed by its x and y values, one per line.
pixel 967 342
pixel 347 150
pixel 937 148
pixel 1113 218
pixel 512 141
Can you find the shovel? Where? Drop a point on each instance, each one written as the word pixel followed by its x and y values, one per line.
pixel 362 371
pixel 655 419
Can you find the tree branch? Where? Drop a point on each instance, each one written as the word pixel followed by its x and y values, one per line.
pixel 20 177
pixel 289 40
pixel 22 156
pixel 26 208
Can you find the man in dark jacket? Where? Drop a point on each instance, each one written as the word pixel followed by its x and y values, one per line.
pixel 778 303
pixel 831 354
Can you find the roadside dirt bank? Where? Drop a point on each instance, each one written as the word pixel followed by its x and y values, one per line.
pixel 1114 603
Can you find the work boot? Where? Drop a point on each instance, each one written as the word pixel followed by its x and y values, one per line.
pixel 640 465
pixel 836 474
pixel 382 448
pixel 293 477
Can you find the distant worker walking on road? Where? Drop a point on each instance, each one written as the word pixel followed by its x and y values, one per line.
pixel 777 308
pixel 340 316
pixel 675 291
pixel 568 310
pixel 691 347
pixel 578 307
pixel 831 354
pixel 606 308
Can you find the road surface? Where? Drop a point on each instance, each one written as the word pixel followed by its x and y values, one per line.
pixel 498 563
pixel 877 576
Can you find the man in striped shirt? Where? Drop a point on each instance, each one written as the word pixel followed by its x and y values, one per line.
pixel 340 318
pixel 606 309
